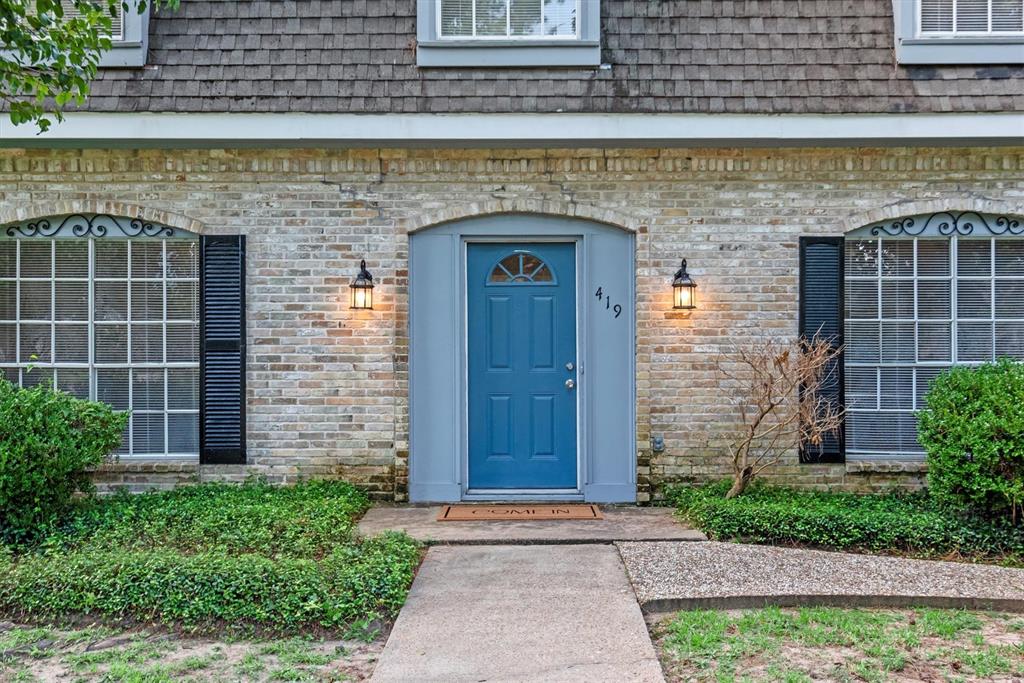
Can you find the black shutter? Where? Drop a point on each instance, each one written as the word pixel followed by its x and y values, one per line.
pixel 821 313
pixel 222 350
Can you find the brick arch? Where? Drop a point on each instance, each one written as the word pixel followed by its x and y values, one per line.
pixel 548 207
pixel 17 214
pixel 951 202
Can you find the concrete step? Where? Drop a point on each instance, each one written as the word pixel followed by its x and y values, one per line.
pixel 620 523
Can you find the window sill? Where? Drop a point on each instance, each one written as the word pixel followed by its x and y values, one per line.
pixel 140 463
pixel 961 50
pixel 857 464
pixel 124 55
pixel 505 42
pixel 498 54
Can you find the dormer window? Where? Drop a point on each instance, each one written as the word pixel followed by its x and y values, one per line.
pixel 117 27
pixel 129 35
pixel 971 17
pixel 508 19
pixel 501 33
pixel 959 31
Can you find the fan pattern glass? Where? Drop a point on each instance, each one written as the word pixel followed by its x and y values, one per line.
pixel 521 268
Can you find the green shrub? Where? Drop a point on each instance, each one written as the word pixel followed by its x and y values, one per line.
pixel 210 556
pixel 973 433
pixel 354 583
pixel 307 520
pixel 48 442
pixel 903 522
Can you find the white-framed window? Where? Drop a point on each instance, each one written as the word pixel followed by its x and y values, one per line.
pixel 117 21
pixel 508 19
pixel 959 31
pixel 129 34
pixel 970 17
pixel 917 304
pixel 503 33
pixel 113 319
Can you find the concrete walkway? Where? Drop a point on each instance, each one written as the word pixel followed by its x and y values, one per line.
pixel 528 601
pixel 619 524
pixel 549 613
pixel 673 576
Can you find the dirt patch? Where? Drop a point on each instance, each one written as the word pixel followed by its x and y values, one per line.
pixel 95 653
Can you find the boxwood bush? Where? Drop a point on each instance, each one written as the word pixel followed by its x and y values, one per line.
pixel 49 441
pixel 213 557
pixel 906 523
pixel 973 433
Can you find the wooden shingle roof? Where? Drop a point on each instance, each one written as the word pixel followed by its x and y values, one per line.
pixel 706 56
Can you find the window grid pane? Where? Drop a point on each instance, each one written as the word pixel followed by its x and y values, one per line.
pixel 507 19
pixel 971 17
pixel 915 307
pixel 91 316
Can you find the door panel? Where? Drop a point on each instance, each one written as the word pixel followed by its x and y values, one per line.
pixel 542 422
pixel 542 333
pixel 522 337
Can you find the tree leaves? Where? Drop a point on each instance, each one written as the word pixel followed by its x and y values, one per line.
pixel 49 57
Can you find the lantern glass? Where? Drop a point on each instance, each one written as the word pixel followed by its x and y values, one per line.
pixel 362 288
pixel 685 297
pixel 684 290
pixel 362 297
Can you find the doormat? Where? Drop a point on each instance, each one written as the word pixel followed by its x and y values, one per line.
pixel 505 513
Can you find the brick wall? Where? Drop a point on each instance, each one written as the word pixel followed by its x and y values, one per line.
pixel 327 386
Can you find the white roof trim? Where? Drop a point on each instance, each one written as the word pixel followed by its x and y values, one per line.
pixel 81 129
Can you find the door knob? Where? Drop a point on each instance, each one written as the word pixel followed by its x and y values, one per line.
pixel 570 384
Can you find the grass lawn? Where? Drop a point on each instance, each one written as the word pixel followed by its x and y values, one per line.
pixel 251 559
pixel 840 645
pixel 98 653
pixel 910 524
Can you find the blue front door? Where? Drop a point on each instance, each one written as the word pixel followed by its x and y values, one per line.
pixel 522 365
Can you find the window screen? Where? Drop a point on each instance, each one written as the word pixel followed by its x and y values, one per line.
pixel 971 16
pixel 116 29
pixel 510 19
pixel 914 307
pixel 114 320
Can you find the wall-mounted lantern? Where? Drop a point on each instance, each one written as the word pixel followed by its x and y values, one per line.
pixel 684 290
pixel 362 288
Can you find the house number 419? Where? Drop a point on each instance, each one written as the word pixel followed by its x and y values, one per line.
pixel 608 306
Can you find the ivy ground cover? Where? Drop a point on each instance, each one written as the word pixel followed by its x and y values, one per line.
pixel 213 557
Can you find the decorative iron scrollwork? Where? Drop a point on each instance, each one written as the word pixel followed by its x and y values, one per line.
pixel 1006 225
pixel 145 229
pixel 91 226
pixel 947 224
pixel 903 226
pixel 37 229
pixel 83 226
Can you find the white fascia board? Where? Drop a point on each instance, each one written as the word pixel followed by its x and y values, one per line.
pixel 161 130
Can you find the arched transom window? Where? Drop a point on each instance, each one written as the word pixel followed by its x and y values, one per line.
pixel 922 294
pixel 521 267
pixel 107 308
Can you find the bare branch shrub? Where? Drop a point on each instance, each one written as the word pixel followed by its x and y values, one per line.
pixel 776 388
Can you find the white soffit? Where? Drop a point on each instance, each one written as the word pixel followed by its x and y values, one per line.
pixel 86 129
